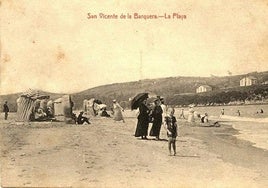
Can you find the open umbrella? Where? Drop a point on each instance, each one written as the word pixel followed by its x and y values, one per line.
pixel 137 100
pixel 97 101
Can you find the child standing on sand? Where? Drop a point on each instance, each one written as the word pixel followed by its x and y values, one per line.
pixel 171 127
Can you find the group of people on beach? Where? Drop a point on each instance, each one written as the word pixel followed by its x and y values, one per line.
pixel 239 113
pixel 116 111
pixel 158 115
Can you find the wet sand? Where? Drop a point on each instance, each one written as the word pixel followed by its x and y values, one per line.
pixel 106 154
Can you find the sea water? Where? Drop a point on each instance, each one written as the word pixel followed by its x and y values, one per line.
pixel 251 125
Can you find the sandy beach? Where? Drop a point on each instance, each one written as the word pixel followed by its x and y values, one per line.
pixel 106 154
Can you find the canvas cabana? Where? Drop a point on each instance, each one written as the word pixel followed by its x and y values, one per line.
pixel 92 106
pixel 27 104
pixel 63 108
pixel 88 107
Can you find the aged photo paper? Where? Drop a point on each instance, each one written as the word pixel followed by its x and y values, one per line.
pixel 65 47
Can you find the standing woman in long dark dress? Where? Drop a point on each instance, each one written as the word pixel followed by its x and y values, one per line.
pixel 143 120
pixel 157 120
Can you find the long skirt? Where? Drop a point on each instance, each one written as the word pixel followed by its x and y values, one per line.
pixel 142 128
pixel 155 130
pixel 191 118
pixel 118 116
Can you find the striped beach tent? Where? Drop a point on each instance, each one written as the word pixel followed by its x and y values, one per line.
pixel 26 104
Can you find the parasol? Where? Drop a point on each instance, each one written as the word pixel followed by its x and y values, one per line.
pixel 138 99
pixel 97 101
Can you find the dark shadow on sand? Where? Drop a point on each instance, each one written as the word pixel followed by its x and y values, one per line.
pixel 192 156
pixel 153 139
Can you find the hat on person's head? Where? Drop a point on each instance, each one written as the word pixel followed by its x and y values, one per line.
pixel 114 100
pixel 81 112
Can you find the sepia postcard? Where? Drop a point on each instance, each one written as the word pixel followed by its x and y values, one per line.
pixel 134 93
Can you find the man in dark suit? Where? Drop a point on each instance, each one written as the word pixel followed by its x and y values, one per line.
pixel 6 110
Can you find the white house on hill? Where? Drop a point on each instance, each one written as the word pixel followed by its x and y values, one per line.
pixel 248 81
pixel 203 88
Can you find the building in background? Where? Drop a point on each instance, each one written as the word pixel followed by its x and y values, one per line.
pixel 203 88
pixel 248 81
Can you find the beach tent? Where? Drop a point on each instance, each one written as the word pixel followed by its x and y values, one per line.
pixel 58 107
pixel 88 106
pixel 63 108
pixel 93 106
pixel 26 104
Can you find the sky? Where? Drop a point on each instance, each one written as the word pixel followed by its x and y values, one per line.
pixel 53 46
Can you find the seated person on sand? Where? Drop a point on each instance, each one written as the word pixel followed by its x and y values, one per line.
pixel 261 111
pixel 206 123
pixel 82 119
pixel 40 115
pixel 74 117
pixel 49 112
pixel 104 113
pixel 204 119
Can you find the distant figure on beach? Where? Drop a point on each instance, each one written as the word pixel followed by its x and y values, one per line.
pixel 222 112
pixel 191 115
pixel 238 113
pixel 261 111
pixel 117 109
pixel 143 120
pixel 164 108
pixel 82 119
pixel 182 114
pixel 206 123
pixel 104 113
pixel 5 110
pixel 157 119
pixel 204 119
pixel 172 130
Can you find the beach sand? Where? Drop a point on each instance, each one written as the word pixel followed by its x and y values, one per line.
pixel 106 154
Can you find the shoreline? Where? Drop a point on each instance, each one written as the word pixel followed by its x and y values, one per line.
pixel 227 136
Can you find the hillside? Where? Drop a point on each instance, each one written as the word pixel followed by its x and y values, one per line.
pixel 167 87
pixel 176 90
